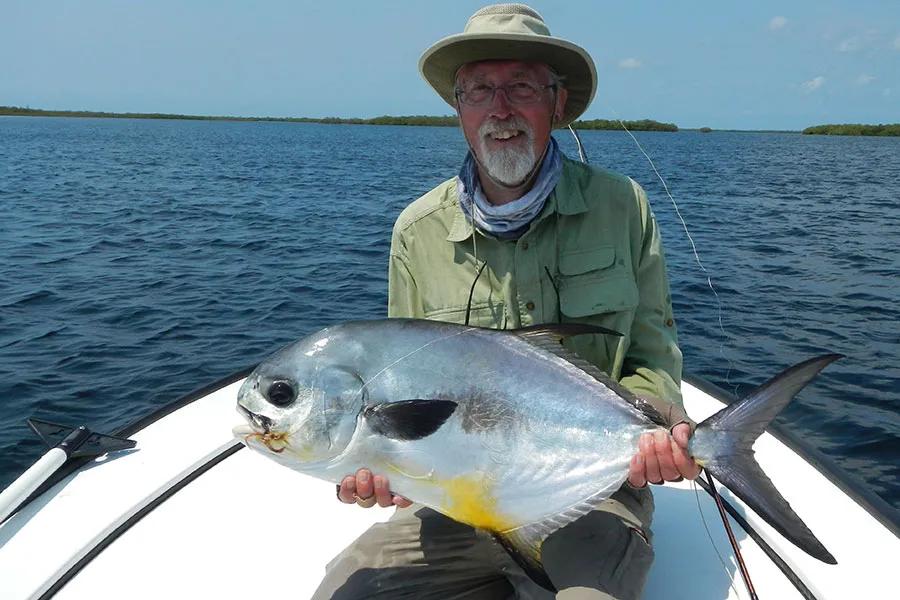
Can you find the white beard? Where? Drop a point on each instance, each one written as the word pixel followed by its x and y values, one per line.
pixel 509 166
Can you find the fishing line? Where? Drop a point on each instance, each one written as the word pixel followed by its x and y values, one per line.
pixel 581 153
pixel 737 551
pixel 728 575
pixel 690 238
pixel 419 349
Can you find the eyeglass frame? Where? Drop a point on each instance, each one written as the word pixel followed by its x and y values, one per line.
pixel 458 93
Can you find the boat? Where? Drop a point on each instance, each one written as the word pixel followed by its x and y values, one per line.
pixel 188 512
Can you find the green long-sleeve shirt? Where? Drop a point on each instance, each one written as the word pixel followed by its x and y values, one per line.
pixel 596 238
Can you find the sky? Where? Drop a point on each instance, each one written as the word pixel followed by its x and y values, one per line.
pixel 695 63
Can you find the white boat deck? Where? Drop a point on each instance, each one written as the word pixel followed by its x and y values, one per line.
pixel 248 526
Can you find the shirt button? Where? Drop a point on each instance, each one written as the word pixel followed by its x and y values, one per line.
pixel 669 322
pixel 529 305
pixel 524 245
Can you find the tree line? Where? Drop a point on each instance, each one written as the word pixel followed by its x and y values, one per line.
pixel 854 129
pixel 412 120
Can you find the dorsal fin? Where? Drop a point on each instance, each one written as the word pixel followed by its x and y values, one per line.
pixel 549 337
pixel 560 331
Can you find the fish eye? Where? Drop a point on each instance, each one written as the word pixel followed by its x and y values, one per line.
pixel 281 393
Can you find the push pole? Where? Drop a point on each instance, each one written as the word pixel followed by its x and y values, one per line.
pixel 65 443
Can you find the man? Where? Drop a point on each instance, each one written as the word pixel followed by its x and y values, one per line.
pixel 522 236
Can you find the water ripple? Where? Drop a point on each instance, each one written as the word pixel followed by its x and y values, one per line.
pixel 144 259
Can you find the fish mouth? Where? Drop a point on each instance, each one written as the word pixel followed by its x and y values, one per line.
pixel 275 441
pixel 260 430
pixel 258 422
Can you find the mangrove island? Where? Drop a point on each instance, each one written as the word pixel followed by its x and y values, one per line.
pixel 411 120
pixel 854 129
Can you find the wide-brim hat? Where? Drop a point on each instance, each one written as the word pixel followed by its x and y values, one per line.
pixel 511 32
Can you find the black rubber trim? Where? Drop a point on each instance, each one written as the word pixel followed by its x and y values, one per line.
pixel 871 502
pixel 75 464
pixel 127 524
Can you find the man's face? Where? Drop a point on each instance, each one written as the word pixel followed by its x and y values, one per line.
pixel 509 138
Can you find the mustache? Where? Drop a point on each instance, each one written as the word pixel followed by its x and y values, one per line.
pixel 496 125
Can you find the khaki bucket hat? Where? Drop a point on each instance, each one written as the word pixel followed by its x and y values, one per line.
pixel 511 32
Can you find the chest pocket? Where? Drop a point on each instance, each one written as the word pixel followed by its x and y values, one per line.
pixel 592 283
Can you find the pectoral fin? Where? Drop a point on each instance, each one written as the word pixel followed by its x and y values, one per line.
pixel 408 419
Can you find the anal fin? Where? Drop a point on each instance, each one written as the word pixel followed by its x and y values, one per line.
pixel 525 544
pixel 525 549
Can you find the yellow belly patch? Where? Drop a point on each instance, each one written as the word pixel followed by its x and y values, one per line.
pixel 470 500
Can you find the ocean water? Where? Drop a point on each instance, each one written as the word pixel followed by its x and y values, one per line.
pixel 140 260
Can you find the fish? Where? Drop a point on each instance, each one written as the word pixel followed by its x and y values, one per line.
pixel 504 430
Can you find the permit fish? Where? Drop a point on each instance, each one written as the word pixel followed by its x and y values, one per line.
pixel 507 431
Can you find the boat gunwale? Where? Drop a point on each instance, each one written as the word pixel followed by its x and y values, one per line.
pixel 873 504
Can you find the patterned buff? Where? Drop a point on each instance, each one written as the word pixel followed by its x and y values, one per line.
pixel 507 221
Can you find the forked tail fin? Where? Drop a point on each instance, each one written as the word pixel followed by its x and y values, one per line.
pixel 723 445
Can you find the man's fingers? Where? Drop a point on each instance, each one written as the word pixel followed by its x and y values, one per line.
pixel 366 502
pixel 662 445
pixel 651 470
pixel 347 491
pixel 689 469
pixel 367 490
pixel 636 477
pixel 684 463
pixel 364 486
pixel 382 492
pixel 402 502
pixel 682 434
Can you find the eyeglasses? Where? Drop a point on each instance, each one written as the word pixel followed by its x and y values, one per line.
pixel 520 92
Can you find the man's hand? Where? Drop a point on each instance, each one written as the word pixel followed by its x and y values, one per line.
pixel 367 490
pixel 663 457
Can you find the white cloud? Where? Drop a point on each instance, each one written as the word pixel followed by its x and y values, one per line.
pixel 886 92
pixel 629 63
pixel 777 23
pixel 897 43
pixel 865 79
pixel 813 84
pixel 848 45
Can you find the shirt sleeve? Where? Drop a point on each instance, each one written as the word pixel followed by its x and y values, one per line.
pixel 652 364
pixel 403 294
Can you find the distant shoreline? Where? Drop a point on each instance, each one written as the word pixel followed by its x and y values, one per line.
pixel 891 129
pixel 451 121
pixel 409 120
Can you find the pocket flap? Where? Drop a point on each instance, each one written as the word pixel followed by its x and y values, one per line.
pixel 598 297
pixel 583 261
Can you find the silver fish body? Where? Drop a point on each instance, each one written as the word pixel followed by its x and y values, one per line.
pixel 532 434
pixel 505 431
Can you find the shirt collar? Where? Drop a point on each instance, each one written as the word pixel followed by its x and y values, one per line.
pixel 566 199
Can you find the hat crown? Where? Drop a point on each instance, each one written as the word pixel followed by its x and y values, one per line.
pixel 507 18
pixel 511 32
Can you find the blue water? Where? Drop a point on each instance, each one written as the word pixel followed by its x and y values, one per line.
pixel 140 260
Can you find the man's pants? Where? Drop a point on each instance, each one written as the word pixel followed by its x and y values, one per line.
pixel 420 554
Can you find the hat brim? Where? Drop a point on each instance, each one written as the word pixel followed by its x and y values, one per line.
pixel 440 63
